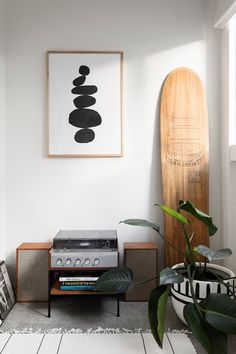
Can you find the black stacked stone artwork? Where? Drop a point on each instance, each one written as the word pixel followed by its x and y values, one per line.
pixel 82 117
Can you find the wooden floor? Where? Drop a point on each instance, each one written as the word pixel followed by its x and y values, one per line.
pixel 177 343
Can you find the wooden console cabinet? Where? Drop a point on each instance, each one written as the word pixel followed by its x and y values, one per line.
pixel 37 281
pixel 142 259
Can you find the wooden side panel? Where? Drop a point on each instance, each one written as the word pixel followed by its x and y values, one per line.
pixel 184 153
pixel 140 245
pixel 35 246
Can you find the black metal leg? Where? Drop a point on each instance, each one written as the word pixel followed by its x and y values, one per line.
pixel 49 306
pixel 49 293
pixel 118 306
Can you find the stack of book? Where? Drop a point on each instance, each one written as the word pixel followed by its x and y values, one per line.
pixel 78 282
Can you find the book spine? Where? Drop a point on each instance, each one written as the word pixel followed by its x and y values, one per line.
pixel 78 278
pixel 81 282
pixel 77 287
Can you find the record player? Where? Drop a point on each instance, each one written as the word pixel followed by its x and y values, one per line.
pixel 91 249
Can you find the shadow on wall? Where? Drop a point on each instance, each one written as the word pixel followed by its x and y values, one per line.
pixel 134 23
pixel 156 184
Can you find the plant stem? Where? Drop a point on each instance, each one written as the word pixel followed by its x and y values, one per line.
pixel 190 277
pixel 170 244
pixel 191 256
pixel 147 280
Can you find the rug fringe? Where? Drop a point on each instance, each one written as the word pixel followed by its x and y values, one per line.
pixel 184 331
pixel 98 330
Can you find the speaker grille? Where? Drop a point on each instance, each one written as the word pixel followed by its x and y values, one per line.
pixel 143 263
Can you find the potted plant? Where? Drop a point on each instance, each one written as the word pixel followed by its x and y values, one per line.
pixel 210 311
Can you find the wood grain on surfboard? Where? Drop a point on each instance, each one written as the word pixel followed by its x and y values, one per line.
pixel 184 154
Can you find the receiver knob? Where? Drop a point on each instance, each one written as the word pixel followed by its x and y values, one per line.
pixel 77 262
pixel 68 261
pixel 96 261
pixel 59 262
pixel 87 261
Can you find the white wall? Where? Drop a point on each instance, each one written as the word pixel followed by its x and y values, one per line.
pixel 213 100
pixel 2 129
pixel 47 194
pixel 228 167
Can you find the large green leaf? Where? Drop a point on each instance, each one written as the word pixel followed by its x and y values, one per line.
pixel 211 255
pixel 170 276
pixel 173 213
pixel 200 215
pixel 157 311
pixel 212 340
pixel 118 280
pixel 141 222
pixel 221 254
pixel 221 312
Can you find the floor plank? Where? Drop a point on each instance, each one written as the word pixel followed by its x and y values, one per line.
pixel 152 347
pixel 177 343
pixel 23 343
pixel 50 344
pixel 173 343
pixel 102 344
pixel 4 337
pixel 179 346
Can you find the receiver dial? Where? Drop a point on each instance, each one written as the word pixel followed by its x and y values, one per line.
pixel 77 262
pixel 87 261
pixel 96 261
pixel 59 262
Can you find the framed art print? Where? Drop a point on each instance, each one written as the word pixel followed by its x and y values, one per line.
pixel 85 104
pixel 7 297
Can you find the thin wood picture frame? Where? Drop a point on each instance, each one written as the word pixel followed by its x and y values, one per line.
pixel 85 103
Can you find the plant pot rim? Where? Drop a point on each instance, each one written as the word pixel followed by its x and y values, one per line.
pixel 209 265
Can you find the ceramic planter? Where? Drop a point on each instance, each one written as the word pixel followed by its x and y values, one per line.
pixel 181 293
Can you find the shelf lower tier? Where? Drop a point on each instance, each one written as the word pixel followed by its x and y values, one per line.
pixel 55 290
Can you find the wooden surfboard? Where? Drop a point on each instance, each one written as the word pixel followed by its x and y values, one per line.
pixel 184 154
